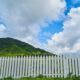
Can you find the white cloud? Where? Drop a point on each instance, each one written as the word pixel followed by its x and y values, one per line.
pixel 23 17
pixel 67 41
pixel 2 27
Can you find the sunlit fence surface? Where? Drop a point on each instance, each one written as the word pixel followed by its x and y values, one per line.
pixel 32 66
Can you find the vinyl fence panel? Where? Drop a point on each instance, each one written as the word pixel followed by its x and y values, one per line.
pixel 33 66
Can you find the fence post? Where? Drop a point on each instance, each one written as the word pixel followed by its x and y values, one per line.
pixel 46 66
pixel 0 66
pixel 55 67
pixel 29 71
pixel 24 66
pixel 52 66
pixel 79 65
pixel 76 67
pixel 4 66
pixel 26 71
pixel 73 64
pixel 64 66
pixel 58 66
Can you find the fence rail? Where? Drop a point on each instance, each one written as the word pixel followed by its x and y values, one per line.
pixel 50 66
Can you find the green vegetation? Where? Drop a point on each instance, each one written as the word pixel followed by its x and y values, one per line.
pixel 13 47
pixel 43 78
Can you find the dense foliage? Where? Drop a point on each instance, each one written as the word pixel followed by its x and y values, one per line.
pixel 13 47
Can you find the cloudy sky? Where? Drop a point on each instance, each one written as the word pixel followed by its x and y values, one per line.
pixel 53 25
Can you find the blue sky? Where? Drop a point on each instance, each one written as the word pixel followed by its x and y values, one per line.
pixel 56 26
pixel 52 27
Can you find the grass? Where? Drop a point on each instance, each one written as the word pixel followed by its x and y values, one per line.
pixel 42 78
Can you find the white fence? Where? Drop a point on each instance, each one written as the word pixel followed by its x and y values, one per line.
pixel 50 66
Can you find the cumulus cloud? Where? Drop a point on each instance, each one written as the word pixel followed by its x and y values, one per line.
pixel 67 41
pixel 2 27
pixel 23 17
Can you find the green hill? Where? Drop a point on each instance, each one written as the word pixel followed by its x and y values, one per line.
pixel 13 47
